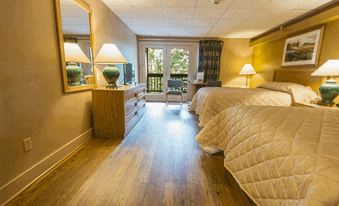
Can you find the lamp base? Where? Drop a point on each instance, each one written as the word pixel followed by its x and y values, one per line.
pixel 328 92
pixel 111 86
pixel 111 74
pixel 74 74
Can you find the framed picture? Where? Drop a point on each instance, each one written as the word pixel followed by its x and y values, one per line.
pixel 303 49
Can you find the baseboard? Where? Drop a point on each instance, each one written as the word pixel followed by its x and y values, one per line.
pixel 28 177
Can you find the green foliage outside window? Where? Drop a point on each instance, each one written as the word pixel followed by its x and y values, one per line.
pixel 179 61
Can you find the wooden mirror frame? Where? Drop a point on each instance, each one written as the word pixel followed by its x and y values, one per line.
pixel 86 7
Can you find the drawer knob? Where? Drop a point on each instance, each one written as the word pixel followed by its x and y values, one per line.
pixel 135 94
pixel 135 113
pixel 136 103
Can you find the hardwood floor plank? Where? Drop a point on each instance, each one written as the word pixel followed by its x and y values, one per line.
pixel 158 163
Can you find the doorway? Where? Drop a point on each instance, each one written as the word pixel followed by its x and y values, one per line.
pixel 161 61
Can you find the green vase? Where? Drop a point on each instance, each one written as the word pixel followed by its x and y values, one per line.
pixel 328 91
pixel 74 74
pixel 111 74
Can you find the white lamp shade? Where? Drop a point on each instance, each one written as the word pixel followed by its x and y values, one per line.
pixel 247 69
pixel 329 68
pixel 73 53
pixel 110 54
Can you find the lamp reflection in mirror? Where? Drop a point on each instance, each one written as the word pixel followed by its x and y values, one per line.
pixel 330 90
pixel 110 54
pixel 73 56
pixel 247 70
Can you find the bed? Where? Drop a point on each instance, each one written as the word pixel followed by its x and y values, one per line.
pixel 210 101
pixel 279 155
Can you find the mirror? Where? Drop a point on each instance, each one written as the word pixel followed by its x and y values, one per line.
pixel 75 44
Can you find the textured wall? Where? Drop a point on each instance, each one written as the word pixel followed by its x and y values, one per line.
pixel 235 53
pixel 267 56
pixel 108 28
pixel 32 102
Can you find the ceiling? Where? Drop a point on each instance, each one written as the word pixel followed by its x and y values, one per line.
pixel 75 20
pixel 201 18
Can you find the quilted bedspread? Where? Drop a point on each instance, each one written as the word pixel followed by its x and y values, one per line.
pixel 279 155
pixel 210 101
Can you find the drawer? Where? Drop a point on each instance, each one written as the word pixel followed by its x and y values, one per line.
pixel 141 110
pixel 141 90
pixel 131 115
pixel 141 95
pixel 141 104
pixel 130 105
pixel 131 124
pixel 131 96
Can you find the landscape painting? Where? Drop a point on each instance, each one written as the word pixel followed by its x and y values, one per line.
pixel 302 49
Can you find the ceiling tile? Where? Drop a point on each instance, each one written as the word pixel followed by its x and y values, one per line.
pixel 180 3
pixel 178 22
pixel 250 4
pixel 72 10
pixel 209 4
pixel 139 12
pixel 244 33
pixel 198 31
pixel 268 14
pixel 284 4
pixel 295 13
pixel 183 13
pixel 239 13
pixel 146 3
pixel 117 3
pixel 231 18
pixel 219 32
pixel 250 23
pixel 311 4
pixel 74 20
pixel 203 22
pixel 208 13
pixel 159 31
pixel 132 21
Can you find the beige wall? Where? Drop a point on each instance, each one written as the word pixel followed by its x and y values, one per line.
pixel 32 102
pixel 235 53
pixel 268 51
pixel 108 28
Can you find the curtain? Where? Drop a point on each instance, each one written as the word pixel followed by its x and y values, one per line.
pixel 209 59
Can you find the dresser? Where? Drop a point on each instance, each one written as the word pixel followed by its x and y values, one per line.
pixel 116 111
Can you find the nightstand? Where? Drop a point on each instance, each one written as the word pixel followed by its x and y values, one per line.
pixel 315 106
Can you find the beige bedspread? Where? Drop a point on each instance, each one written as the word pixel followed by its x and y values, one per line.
pixel 280 155
pixel 208 102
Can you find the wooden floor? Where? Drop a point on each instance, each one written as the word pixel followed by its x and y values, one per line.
pixel 158 163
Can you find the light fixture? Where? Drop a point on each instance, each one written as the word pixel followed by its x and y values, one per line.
pixel 330 90
pixel 110 54
pixel 247 70
pixel 73 56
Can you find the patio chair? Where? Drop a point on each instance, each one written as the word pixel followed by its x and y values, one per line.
pixel 174 87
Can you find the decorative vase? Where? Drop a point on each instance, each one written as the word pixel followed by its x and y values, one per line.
pixel 111 74
pixel 328 92
pixel 74 74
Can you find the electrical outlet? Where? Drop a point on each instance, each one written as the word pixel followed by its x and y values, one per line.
pixel 28 144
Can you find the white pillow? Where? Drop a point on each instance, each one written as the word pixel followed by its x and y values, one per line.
pixel 300 93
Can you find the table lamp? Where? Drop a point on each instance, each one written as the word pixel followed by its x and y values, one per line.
pixel 73 56
pixel 330 90
pixel 110 54
pixel 247 70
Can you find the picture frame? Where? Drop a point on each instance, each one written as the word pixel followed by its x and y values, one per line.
pixel 303 49
pixel 200 76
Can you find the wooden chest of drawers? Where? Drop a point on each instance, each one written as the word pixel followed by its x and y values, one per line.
pixel 116 111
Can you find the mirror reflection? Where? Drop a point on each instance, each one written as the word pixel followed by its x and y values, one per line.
pixel 76 33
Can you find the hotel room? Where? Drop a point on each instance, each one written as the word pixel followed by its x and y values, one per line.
pixel 169 102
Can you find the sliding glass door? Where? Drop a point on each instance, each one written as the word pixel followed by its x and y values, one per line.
pixel 163 61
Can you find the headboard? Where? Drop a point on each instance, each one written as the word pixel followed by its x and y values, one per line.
pixel 300 76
